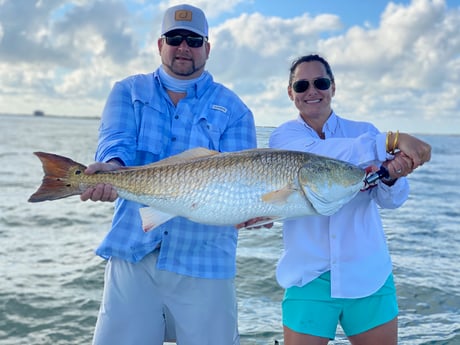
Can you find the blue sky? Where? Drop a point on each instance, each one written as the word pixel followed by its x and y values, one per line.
pixel 352 12
pixel 397 63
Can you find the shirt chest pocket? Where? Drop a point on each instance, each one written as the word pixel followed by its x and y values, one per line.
pixel 154 129
pixel 208 128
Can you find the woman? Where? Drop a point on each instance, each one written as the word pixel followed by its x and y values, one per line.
pixel 337 269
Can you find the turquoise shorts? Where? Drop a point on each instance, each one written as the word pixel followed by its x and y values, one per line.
pixel 310 309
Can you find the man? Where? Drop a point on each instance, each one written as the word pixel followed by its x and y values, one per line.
pixel 177 281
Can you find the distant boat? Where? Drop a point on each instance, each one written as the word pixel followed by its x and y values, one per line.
pixel 39 113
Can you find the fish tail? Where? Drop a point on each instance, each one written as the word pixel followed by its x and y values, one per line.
pixel 61 177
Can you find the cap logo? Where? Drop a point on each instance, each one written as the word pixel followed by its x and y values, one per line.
pixel 183 16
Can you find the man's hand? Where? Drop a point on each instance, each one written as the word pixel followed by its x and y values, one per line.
pixel 102 191
pixel 250 222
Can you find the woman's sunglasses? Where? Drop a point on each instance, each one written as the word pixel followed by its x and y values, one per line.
pixel 302 85
pixel 193 41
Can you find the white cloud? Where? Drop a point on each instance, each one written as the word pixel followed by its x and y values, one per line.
pixel 64 56
pixel 408 66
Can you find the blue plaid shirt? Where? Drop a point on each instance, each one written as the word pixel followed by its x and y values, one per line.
pixel 141 125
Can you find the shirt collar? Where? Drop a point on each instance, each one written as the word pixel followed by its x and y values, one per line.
pixel 329 128
pixel 198 89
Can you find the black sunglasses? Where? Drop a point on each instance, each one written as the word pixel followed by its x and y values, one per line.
pixel 302 85
pixel 193 41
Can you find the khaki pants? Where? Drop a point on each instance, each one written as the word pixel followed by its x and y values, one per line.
pixel 145 306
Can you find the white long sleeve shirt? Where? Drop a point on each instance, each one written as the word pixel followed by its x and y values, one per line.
pixel 351 244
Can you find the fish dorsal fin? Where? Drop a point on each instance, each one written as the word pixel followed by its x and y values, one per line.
pixel 279 196
pixel 186 156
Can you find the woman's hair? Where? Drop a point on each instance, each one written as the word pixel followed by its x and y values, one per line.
pixel 309 58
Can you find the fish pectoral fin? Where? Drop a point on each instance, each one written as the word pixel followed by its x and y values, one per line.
pixel 189 155
pixel 279 196
pixel 151 218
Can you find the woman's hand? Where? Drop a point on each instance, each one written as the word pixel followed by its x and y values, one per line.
pixel 400 166
pixel 415 149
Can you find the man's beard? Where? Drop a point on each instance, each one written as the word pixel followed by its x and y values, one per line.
pixel 181 72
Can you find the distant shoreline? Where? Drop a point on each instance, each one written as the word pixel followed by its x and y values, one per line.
pixel 83 117
pixel 95 117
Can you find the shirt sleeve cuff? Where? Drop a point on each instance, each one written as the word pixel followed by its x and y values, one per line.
pixel 380 143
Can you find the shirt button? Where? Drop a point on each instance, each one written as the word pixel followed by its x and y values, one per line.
pixel 166 232
pixel 173 139
pixel 176 117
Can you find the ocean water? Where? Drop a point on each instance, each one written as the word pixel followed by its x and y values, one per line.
pixel 51 281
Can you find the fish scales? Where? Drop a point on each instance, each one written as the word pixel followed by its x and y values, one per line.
pixel 218 188
pixel 233 190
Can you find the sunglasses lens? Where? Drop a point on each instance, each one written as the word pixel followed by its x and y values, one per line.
pixel 300 86
pixel 192 41
pixel 174 40
pixel 322 83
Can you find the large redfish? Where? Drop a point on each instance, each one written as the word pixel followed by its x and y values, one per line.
pixel 217 188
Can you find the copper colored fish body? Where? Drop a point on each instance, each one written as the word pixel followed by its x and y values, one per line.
pixel 216 188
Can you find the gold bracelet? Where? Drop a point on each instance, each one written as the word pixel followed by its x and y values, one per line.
pixel 387 140
pixel 395 142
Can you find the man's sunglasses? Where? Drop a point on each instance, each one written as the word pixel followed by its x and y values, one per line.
pixel 193 41
pixel 302 85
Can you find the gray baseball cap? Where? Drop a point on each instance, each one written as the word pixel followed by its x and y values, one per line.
pixel 185 17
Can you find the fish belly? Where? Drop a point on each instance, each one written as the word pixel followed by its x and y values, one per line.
pixel 226 204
